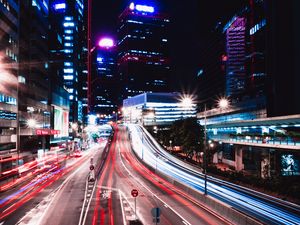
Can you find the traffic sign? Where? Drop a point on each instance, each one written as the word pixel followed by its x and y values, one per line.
pixel 134 193
pixel 156 212
pixel 92 167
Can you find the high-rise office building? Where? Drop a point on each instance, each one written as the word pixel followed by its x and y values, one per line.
pixel 105 82
pixel 69 15
pixel 9 12
pixel 243 64
pixel 236 52
pixel 143 59
pixel 34 83
pixel 283 57
pixel 211 72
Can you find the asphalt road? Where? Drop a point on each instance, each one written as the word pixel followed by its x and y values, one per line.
pixel 122 172
pixel 52 198
pixel 62 197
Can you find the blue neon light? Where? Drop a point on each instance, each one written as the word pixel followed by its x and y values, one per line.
pixel 144 8
pixel 60 6
pixel 141 8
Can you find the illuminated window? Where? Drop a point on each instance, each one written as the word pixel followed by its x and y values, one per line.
pixel 68 24
pixel 69 77
pixel 68 18
pixel 68 38
pixel 69 70
pixel 68 64
pixel 69 31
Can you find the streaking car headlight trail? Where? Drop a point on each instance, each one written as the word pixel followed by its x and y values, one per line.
pixel 149 151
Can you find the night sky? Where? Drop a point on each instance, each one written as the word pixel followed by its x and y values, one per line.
pixel 192 21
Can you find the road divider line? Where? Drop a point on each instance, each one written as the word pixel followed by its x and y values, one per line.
pixel 177 213
pixel 88 206
pixel 121 202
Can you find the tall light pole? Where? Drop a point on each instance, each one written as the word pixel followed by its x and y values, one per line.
pixel 205 153
pixel 223 103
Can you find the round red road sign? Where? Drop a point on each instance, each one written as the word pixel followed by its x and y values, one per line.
pixel 92 167
pixel 134 193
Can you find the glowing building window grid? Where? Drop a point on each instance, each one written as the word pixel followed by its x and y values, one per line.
pixel 258 26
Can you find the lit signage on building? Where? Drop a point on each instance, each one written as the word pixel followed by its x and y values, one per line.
pixel 106 43
pixel 42 132
pixel 141 8
pixel 60 6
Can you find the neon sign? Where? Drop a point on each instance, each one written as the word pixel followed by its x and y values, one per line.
pixel 141 8
pixel 106 43
pixel 60 6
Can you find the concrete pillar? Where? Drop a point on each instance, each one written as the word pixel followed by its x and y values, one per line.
pixel 215 158
pixel 265 164
pixel 239 159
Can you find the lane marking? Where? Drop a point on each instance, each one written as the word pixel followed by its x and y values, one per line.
pixel 123 216
pixel 186 222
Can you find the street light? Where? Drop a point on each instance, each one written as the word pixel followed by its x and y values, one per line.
pixel 31 123
pixel 223 103
pixel 187 102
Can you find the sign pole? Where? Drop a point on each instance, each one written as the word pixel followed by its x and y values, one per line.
pixel 135 208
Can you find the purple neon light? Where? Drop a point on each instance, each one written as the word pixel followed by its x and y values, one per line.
pixel 106 43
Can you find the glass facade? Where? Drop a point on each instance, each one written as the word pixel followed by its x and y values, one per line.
pixel 143 50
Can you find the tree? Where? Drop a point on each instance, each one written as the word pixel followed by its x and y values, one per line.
pixel 189 134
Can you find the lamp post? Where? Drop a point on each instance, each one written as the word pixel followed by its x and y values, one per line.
pixel 205 154
pixel 223 104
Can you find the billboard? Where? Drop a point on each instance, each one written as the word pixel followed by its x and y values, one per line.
pixel 289 165
pixel 61 122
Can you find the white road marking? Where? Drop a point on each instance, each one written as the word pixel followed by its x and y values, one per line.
pixel 127 208
pixel 184 220
pixel 124 219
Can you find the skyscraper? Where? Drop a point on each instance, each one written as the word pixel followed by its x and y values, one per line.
pixel 69 16
pixel 143 50
pixel 34 83
pixel 283 57
pixel 105 82
pixel 8 80
pixel 236 52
